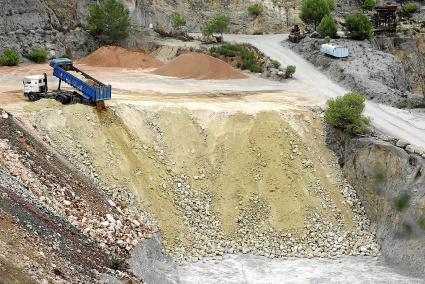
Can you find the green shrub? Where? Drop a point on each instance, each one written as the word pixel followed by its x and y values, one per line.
pixel 359 26
pixel 369 4
pixel 410 7
pixel 327 27
pixel 109 21
pixel 228 50
pixel 159 29
pixel 256 9
pixel 327 39
pixel 402 202
pixel 345 112
pixel 290 71
pixel 312 11
pixel 177 20
pixel 331 4
pixel 10 57
pixel 276 64
pixel 248 57
pixel 117 263
pixel 218 24
pixel 38 54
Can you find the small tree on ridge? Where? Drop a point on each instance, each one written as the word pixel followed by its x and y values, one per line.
pixel 313 11
pixel 109 21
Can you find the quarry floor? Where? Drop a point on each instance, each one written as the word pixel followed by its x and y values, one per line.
pixel 246 269
pixel 163 133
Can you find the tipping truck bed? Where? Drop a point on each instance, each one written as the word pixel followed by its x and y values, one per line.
pixel 90 88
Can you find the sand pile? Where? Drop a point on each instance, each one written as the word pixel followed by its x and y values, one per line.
pixel 199 66
pixel 114 56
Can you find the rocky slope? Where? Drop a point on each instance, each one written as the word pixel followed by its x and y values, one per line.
pixel 410 49
pixel 60 26
pixel 390 181
pixel 54 25
pixel 378 75
pixel 78 230
pixel 210 178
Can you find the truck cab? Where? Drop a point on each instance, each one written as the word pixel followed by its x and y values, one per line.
pixel 35 86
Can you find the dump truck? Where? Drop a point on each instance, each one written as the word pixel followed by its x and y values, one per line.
pixel 87 90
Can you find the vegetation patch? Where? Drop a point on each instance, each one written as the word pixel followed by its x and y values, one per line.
pixel 313 11
pixel 256 9
pixel 38 55
pixel 242 56
pixel 117 263
pixel 10 57
pixel 218 24
pixel 276 64
pixel 410 8
pixel 327 27
pixel 177 20
pixel 359 26
pixel 369 4
pixel 345 112
pixel 109 21
pixel 290 71
pixel 402 202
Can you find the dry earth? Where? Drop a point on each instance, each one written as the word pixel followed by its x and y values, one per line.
pixel 218 182
pixel 231 167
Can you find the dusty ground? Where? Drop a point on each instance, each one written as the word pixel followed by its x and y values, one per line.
pixel 223 167
pixel 235 176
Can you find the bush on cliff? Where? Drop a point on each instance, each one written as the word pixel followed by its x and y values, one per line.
pixel 345 112
pixel 327 27
pixel 359 26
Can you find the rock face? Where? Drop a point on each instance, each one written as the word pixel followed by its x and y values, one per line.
pixel 59 26
pixel 54 25
pixel 411 52
pixel 378 75
pixel 197 12
pixel 391 184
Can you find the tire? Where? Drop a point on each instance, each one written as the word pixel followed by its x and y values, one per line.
pixel 77 100
pixel 63 99
pixel 32 97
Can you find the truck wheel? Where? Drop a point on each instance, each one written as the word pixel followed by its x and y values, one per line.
pixel 32 97
pixel 63 99
pixel 77 100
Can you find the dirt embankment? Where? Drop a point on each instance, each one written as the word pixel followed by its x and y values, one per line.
pixel 220 183
pixel 199 66
pixel 114 56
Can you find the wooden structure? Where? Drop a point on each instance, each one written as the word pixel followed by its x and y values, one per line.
pixel 385 18
pixel 295 36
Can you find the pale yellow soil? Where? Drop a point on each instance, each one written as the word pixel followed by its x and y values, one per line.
pixel 232 156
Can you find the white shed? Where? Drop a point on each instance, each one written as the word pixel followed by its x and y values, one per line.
pixel 334 50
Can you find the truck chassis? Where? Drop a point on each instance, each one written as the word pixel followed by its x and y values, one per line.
pixel 64 97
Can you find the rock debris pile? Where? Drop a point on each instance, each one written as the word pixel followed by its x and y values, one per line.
pixel 217 183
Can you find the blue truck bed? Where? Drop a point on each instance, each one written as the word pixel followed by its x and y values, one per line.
pixel 93 92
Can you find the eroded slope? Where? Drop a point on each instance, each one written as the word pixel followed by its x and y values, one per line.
pixel 219 182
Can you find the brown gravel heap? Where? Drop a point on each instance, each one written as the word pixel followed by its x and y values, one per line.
pixel 200 67
pixel 114 56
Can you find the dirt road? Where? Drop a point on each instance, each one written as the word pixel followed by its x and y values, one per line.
pixel 310 81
